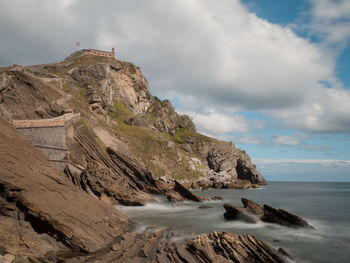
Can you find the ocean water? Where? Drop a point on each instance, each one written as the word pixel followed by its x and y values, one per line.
pixel 326 206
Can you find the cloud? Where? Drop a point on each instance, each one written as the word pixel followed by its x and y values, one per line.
pixel 296 140
pixel 214 123
pixel 304 169
pixel 208 55
pixel 285 140
pixel 324 162
pixel 249 139
pixel 331 20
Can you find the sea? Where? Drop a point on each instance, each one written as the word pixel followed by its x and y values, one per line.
pixel 325 205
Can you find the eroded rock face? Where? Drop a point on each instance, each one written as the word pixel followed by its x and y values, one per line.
pixel 42 210
pixel 247 171
pixel 121 82
pixel 167 119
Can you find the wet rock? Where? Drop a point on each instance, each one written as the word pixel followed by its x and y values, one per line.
pixel 187 193
pixel 284 253
pixel 204 207
pixel 252 211
pixel 238 213
pixel 249 213
pixel 283 217
pixel 252 206
pixel 180 193
pixel 216 198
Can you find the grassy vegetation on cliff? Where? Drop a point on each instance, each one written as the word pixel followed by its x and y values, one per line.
pixel 159 151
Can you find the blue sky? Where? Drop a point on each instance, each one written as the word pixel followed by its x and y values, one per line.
pixel 272 76
pixel 296 14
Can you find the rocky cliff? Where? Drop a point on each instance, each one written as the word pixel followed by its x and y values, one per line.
pixel 126 146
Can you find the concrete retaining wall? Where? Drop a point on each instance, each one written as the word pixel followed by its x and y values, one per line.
pixel 49 136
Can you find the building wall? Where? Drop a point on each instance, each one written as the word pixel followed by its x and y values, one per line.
pixel 100 53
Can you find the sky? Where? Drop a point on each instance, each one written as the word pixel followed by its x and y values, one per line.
pixel 271 76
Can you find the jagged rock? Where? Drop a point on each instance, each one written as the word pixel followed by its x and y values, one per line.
pixel 234 162
pixel 228 247
pixel 247 171
pixel 167 119
pixel 180 193
pixel 238 213
pixel 252 206
pixel 283 217
pixel 122 82
pixel 159 247
pixel 251 211
pixel 222 161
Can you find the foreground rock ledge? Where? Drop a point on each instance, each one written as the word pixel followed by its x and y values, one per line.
pixel 158 246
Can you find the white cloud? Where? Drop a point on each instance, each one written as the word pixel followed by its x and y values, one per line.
pixel 304 169
pixel 285 140
pixel 214 123
pixel 249 139
pixel 331 20
pixel 217 55
pixel 296 140
pixel 302 161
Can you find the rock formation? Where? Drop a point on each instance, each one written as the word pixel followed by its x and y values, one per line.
pixel 252 211
pixel 283 217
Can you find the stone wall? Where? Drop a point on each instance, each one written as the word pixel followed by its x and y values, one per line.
pixel 49 136
pixel 100 53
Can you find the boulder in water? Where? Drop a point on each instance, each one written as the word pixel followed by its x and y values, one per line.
pixel 283 217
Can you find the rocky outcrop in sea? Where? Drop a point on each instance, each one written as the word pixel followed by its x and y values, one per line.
pixel 253 212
